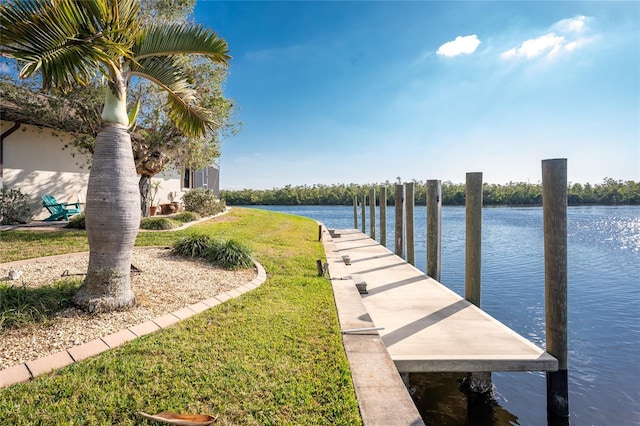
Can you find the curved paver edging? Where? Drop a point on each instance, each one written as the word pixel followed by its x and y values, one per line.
pixel 31 369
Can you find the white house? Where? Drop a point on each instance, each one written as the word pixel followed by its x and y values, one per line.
pixel 32 160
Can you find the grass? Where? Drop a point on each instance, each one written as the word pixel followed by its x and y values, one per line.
pixel 272 356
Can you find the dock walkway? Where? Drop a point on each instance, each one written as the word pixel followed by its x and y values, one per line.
pixel 427 327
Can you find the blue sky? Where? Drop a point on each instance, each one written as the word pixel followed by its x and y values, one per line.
pixel 364 92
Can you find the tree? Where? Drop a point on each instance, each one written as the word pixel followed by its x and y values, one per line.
pixel 157 143
pixel 160 143
pixel 70 42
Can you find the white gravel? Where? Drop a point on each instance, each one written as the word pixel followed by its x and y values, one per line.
pixel 165 284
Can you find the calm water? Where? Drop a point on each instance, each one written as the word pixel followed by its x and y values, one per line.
pixel 604 319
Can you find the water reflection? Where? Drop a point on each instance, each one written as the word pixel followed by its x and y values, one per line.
pixel 441 403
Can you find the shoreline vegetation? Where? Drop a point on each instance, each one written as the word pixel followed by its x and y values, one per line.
pixel 609 192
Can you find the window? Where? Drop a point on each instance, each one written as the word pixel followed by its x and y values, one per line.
pixel 188 178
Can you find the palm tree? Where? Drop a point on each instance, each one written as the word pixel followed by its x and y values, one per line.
pixel 70 42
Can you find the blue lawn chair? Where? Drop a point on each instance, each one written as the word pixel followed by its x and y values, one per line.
pixel 59 211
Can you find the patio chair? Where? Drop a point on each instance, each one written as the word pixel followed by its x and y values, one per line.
pixel 59 211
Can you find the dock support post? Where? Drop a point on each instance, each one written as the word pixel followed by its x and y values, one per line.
pixel 409 197
pixel 355 212
pixel 398 200
pixel 383 216
pixel 473 234
pixel 478 385
pixel 372 213
pixel 364 210
pixel 434 228
pixel 554 206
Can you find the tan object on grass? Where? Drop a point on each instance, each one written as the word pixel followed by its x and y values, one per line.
pixel 179 419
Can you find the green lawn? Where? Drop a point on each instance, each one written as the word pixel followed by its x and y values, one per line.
pixel 270 357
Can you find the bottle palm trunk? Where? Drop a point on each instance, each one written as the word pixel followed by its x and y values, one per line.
pixel 112 222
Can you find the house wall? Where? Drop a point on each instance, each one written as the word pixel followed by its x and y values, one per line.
pixel 35 163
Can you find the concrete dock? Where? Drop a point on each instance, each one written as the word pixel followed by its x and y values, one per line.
pixel 426 326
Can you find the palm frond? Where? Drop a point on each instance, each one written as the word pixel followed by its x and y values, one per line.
pixel 68 40
pixel 169 40
pixel 189 118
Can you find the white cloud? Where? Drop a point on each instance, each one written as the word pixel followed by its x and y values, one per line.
pixel 459 46
pixel 548 44
pixel 576 25
pixel 563 39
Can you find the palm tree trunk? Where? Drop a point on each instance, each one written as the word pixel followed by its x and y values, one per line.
pixel 112 220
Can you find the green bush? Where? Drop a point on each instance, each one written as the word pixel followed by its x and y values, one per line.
pixel 76 222
pixel 230 254
pixel 186 217
pixel 158 223
pixel 203 201
pixel 192 246
pixel 13 207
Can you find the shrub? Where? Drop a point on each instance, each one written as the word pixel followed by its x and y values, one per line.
pixel 230 254
pixel 192 246
pixel 186 217
pixel 13 207
pixel 158 223
pixel 76 222
pixel 202 201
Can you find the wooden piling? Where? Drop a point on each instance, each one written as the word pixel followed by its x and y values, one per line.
pixel 554 206
pixel 372 213
pixel 409 199
pixel 473 235
pixel 355 212
pixel 434 228
pixel 383 216
pixel 364 218
pixel 398 200
pixel 479 384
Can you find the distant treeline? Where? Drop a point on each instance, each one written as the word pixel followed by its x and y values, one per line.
pixel 528 194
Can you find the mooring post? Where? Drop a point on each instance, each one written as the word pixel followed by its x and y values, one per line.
pixel 478 384
pixel 355 212
pixel 363 210
pixel 372 213
pixel 409 200
pixel 383 216
pixel 398 199
pixel 434 228
pixel 554 207
pixel 473 235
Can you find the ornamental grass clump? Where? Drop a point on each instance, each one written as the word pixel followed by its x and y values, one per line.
pixel 192 246
pixel 20 305
pixel 158 223
pixel 230 254
pixel 227 254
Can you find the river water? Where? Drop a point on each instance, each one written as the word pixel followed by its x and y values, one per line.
pixel 604 314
